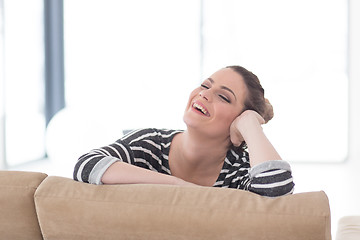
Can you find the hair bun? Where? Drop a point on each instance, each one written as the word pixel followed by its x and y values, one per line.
pixel 268 111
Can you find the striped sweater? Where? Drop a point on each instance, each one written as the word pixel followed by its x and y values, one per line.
pixel 149 148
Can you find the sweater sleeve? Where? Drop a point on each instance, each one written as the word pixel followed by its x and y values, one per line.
pixel 91 166
pixel 147 148
pixel 271 178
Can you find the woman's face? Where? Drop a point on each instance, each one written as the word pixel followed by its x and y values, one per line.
pixel 214 105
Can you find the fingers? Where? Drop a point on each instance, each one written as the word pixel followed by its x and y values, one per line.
pixel 235 135
pixel 235 141
pixel 242 126
pixel 251 113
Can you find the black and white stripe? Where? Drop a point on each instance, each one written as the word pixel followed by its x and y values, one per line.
pixel 149 148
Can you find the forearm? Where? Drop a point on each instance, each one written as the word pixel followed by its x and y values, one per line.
pixel 269 176
pixel 124 173
pixel 259 146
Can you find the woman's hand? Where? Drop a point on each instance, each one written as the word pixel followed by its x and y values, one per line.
pixel 247 127
pixel 242 125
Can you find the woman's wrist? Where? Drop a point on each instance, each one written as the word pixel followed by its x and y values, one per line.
pixel 249 130
pixel 180 182
pixel 246 125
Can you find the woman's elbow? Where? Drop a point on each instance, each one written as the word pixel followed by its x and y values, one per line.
pixel 273 191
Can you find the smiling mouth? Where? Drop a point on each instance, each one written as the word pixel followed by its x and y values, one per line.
pixel 200 109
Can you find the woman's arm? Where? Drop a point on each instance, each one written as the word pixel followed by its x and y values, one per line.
pixel 269 176
pixel 102 169
pixel 248 127
pixel 115 164
pixel 124 173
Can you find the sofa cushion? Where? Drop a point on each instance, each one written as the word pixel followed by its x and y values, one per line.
pixel 348 228
pixel 73 210
pixel 18 219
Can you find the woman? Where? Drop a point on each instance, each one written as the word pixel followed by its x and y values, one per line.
pixel 223 145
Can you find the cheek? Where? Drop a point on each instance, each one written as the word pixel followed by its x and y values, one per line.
pixel 194 93
pixel 228 115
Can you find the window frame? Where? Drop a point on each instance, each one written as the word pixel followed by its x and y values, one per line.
pixel 53 70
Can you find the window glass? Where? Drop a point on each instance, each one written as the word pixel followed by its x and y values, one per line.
pixel 23 80
pixel 2 90
pixel 132 64
pixel 298 49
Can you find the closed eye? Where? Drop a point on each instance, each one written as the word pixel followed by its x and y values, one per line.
pixel 224 98
pixel 220 95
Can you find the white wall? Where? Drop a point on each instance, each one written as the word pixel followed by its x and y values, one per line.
pixel 340 181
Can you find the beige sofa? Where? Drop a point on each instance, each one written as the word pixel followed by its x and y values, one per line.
pixel 36 206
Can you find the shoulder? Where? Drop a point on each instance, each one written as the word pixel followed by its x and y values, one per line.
pixel 153 134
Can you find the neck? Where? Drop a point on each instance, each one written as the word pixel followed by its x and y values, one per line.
pixel 200 155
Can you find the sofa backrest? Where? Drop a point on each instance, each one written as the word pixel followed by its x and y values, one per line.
pixel 73 210
pixel 18 219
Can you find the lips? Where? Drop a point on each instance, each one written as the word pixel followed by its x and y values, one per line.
pixel 199 107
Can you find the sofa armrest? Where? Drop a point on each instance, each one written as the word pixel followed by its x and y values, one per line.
pixel 73 210
pixel 18 218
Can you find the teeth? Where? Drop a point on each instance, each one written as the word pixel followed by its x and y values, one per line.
pixel 200 107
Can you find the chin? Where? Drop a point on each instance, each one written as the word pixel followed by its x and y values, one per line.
pixel 188 121
pixel 205 129
pixel 192 123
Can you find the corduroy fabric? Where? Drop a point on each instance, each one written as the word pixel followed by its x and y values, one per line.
pixel 69 209
pixel 348 228
pixel 18 219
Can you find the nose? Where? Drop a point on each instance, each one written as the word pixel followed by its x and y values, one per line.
pixel 204 94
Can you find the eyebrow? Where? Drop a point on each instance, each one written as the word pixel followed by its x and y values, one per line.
pixel 223 87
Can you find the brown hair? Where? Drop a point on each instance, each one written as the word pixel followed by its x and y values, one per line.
pixel 255 99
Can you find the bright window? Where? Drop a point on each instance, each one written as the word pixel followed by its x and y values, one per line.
pixel 298 49
pixel 23 80
pixel 133 64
